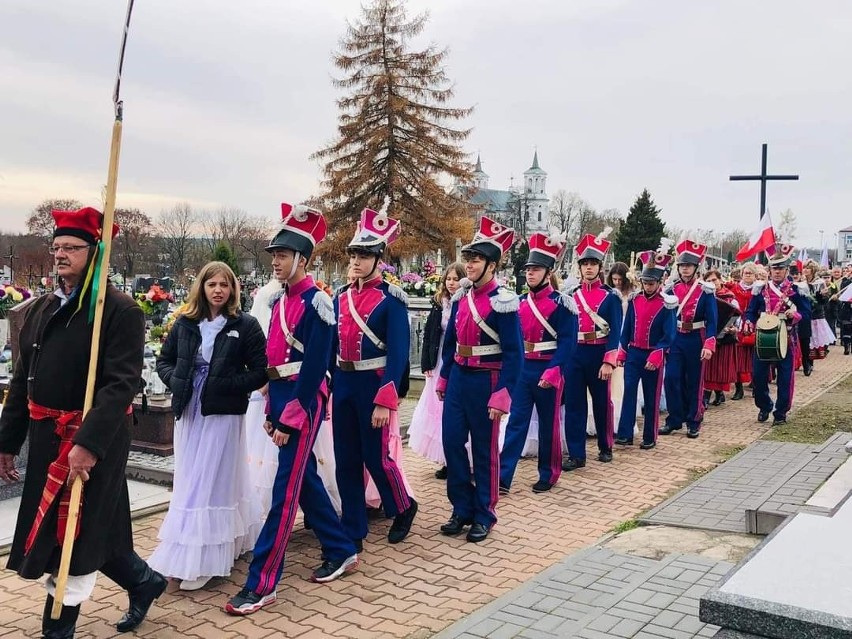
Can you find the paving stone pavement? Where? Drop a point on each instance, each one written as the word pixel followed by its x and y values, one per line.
pixel 416 589
pixel 598 594
pixel 777 477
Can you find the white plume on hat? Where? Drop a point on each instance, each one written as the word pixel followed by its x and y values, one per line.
pixel 665 245
pixel 603 234
pixel 383 212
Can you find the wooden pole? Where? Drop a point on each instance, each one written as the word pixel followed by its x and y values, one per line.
pixel 106 242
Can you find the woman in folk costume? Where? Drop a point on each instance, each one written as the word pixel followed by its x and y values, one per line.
pixel 821 334
pixel 482 361
pixel 549 328
pixel 694 343
pixel 424 433
pixel 369 360
pixel 648 332
pixel 745 343
pixel 261 453
pixel 213 358
pixel 780 297
pixel 721 371
pixel 298 350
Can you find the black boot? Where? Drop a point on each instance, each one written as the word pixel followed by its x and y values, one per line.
pixel 720 398
pixel 62 628
pixel 738 392
pixel 143 586
pixel 846 348
pixel 706 398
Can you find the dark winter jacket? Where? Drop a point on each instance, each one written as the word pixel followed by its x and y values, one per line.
pixel 237 366
pixel 432 334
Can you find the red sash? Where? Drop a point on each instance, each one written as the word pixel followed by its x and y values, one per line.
pixel 67 423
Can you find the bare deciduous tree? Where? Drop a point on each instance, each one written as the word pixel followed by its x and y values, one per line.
pixel 176 229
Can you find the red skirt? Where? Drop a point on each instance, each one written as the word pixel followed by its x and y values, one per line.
pixel 745 358
pixel 721 371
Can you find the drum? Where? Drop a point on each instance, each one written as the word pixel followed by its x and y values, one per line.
pixel 771 342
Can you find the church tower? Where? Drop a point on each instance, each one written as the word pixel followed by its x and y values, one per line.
pixel 480 177
pixel 535 195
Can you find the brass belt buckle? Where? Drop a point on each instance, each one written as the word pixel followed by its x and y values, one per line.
pixel 529 347
pixel 272 373
pixel 464 350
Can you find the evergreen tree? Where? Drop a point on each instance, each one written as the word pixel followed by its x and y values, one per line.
pixel 641 230
pixel 223 253
pixel 395 136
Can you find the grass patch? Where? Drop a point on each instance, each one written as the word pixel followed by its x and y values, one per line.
pixel 819 420
pixel 626 525
pixel 726 452
pixel 697 472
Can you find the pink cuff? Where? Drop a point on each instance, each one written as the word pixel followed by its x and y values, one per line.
pixel 611 358
pixel 387 397
pixel 656 358
pixel 797 317
pixel 621 356
pixel 553 376
pixel 441 385
pixel 293 415
pixel 710 344
pixel 501 400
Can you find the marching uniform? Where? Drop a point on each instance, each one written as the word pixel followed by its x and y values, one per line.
pixel 298 350
pixel 549 328
pixel 600 317
pixel 696 330
pixel 648 332
pixel 482 360
pixel 745 342
pixel 776 299
pixel 370 353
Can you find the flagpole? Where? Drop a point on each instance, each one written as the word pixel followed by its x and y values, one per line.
pixel 104 256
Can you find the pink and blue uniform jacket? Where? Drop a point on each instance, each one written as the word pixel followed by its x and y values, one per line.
pixel 649 325
pixel 309 316
pixel 605 303
pixel 382 307
pixel 764 299
pixel 562 318
pixel 700 307
pixel 498 309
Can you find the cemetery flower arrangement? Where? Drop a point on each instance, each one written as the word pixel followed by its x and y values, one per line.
pixel 422 284
pixel 11 296
pixel 389 274
pixel 155 301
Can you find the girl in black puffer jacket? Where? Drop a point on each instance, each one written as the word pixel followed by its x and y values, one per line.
pixel 213 358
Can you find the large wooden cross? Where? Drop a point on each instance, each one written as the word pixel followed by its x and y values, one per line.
pixel 764 178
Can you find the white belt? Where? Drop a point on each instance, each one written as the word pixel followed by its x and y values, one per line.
pixel 362 364
pixel 535 347
pixel 689 326
pixel 478 351
pixel 283 371
pixel 591 336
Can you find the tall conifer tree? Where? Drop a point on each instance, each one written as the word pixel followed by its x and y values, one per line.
pixel 395 136
pixel 641 230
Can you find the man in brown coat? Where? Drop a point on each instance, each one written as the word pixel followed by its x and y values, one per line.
pixel 45 403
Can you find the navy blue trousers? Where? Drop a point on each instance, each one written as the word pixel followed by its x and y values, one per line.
pixel 581 374
pixel 466 416
pixel 652 385
pixel 684 381
pixel 546 401
pixel 785 380
pixel 296 484
pixel 356 445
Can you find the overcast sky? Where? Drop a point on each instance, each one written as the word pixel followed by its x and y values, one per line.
pixel 225 101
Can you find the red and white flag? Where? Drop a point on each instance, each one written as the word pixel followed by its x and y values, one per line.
pixel 763 239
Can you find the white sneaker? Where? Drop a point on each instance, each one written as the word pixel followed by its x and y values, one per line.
pixel 194 584
pixel 849 446
pixel 331 570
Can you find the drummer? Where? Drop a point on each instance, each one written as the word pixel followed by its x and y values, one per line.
pixel 781 297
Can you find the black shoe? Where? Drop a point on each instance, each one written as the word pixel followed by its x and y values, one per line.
pixel 779 421
pixel 762 416
pixel 141 599
pixel 647 445
pixel 62 628
pixel 246 602
pixel 573 463
pixel 477 533
pixel 441 473
pixel 455 526
pixel 692 433
pixel 706 398
pixel 605 456
pixel 847 348
pixel 624 441
pixel 668 430
pixel 402 524
pixel 541 486
pixel 739 393
pixel 808 368
pixel 359 545
pixel 719 399
pixel 503 488
pixel 331 570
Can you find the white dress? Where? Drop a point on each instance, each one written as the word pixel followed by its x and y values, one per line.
pixel 214 515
